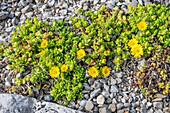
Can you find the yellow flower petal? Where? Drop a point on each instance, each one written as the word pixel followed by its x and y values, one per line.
pixel 64 68
pixel 106 53
pixel 142 26
pixel 93 72
pixel 44 44
pixel 132 42
pixel 137 51
pixel 54 72
pixel 106 71
pixel 81 53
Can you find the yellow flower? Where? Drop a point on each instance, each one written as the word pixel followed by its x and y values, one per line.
pixel 42 52
pixel 81 53
pixel 142 25
pixel 106 71
pixel 44 44
pixel 93 72
pixel 129 6
pixel 137 51
pixel 64 68
pixel 62 75
pixel 106 53
pixel 132 42
pixel 104 61
pixel 54 72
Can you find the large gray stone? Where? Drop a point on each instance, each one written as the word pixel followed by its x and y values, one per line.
pixel 13 103
pixel 16 103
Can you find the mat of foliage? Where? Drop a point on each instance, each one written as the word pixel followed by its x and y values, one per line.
pixel 59 53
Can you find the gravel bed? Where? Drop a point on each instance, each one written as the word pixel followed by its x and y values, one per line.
pixel 112 94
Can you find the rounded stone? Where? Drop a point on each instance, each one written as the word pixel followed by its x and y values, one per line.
pixel 89 105
pixel 100 99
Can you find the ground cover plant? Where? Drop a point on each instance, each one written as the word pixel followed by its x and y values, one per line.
pixel 59 53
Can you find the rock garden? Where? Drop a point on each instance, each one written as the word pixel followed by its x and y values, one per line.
pixel 101 56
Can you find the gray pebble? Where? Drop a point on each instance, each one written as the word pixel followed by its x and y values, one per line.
pixel 114 89
pixel 158 105
pixel 23 2
pixel 29 14
pixel 119 105
pixel 95 2
pixel 3 15
pixel 112 107
pixel 83 103
pixel 26 9
pixel 94 93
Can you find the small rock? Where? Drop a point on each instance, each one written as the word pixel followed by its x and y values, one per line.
pixel 105 110
pixel 149 104
pixel 160 96
pixel 119 106
pixel 158 111
pixel 114 89
pixel 7 84
pixel 51 3
pixel 144 101
pixel 23 2
pixel 109 6
pixel 126 104
pixel 112 107
pixel 133 4
pixel 26 9
pixel 148 3
pixel 83 103
pixel 113 81
pixel 29 14
pixel 100 99
pixel 48 97
pixel 119 80
pixel 89 105
pixel 86 86
pixel 103 1
pixel 105 93
pixel 140 2
pixel 150 110
pixel 108 101
pixel 143 109
pixel 158 105
pixel 97 85
pixel 119 75
pixel 17 14
pixel 38 1
pixel 19 75
pixel 14 21
pixel 157 99
pixel 63 12
pixel 85 7
pixel 90 80
pixel 166 110
pixel 121 111
pixel 3 15
pixel 106 87
pixel 9 29
pixel 94 93
pixel 11 15
pixel 95 2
